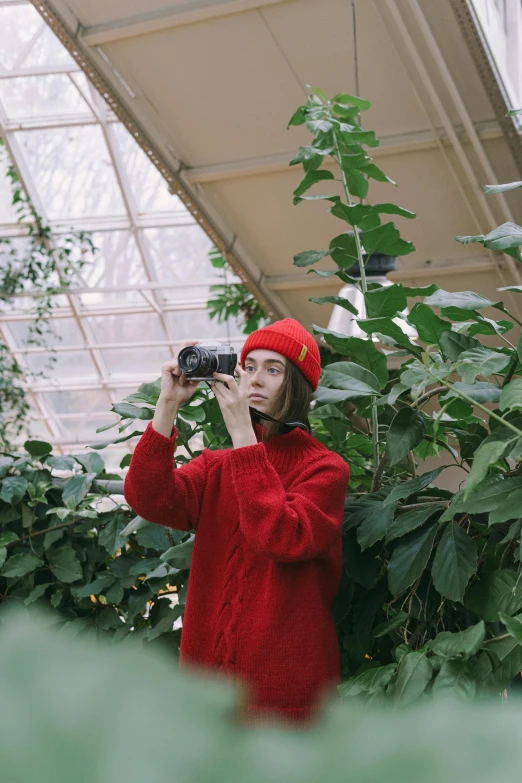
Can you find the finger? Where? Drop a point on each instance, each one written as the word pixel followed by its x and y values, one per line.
pixel 221 376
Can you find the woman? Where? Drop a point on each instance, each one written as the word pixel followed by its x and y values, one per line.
pixel 267 560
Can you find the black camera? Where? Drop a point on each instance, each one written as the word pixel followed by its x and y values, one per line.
pixel 200 362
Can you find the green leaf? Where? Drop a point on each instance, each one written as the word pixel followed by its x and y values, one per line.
pixel 37 448
pixel 466 300
pixel 492 448
pixel 411 520
pixel 327 396
pixel 298 118
pixel 179 556
pixel 20 565
pixel 309 257
pixel 351 377
pixel 360 351
pixel 77 487
pixel 310 179
pixel 414 485
pixel 479 391
pixel 3 555
pixel 96 587
pixel 62 462
pixel 424 290
pixel 386 239
pixel 374 172
pixel 351 213
pixel 92 463
pixel 154 537
pixel 454 343
pixel 368 681
pixel 64 564
pixel 389 328
pixel 192 412
pixel 406 431
pixel 508 509
pixel 502 188
pixel 390 625
pixel 513 626
pixel 467 642
pixel 374 527
pixel 388 300
pixel 455 562
pixel 511 396
pixel 7 537
pixel 35 594
pixel 428 325
pixel 134 525
pixel 345 99
pixel 495 592
pixel 13 489
pixel 343 250
pixel 338 300
pixel 393 209
pixel 410 557
pixel 105 443
pixel 128 411
pixel 111 537
pixel 457 678
pixel 480 361
pixel 414 674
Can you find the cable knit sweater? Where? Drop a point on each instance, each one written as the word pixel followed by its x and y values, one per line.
pixel 266 564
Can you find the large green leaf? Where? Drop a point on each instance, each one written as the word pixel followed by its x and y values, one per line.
pixel 415 672
pixel 509 508
pixel 414 485
pixel 466 300
pixel 351 377
pixel 428 325
pixel 37 448
pixel 455 678
pixel 310 179
pixel 77 487
pixel 374 527
pixel 502 188
pixel 309 257
pixel 342 301
pixel 386 239
pixel 406 431
pixel 411 520
pixel 491 494
pixel 492 448
pixel 467 642
pixel 128 411
pixel 454 563
pixel 64 564
pixel 91 461
pixel 345 99
pixel 454 343
pixel 507 237
pixel 389 328
pixel 368 681
pixel 392 624
pixel 20 565
pixel 410 557
pixel 13 489
pixel 479 391
pixel 179 556
pixel 328 396
pixel 112 536
pixel 511 396
pixel 393 209
pixel 480 361
pixel 497 591
pixel 343 250
pixel 360 351
pixel 388 300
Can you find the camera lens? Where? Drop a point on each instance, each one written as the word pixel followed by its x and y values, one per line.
pixel 197 361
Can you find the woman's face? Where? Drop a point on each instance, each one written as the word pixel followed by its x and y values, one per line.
pixel 265 371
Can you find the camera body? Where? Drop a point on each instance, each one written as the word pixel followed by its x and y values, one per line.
pixel 200 362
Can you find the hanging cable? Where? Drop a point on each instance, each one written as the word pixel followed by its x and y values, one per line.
pixel 355 53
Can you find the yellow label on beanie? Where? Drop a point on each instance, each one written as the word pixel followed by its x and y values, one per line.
pixel 304 351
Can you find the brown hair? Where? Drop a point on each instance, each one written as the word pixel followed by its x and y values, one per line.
pixel 292 403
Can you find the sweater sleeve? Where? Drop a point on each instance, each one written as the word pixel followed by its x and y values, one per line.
pixel 158 491
pixel 297 524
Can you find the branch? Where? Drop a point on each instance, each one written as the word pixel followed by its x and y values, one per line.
pixel 376 483
pixel 423 398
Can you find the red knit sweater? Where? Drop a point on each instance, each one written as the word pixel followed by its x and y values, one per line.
pixel 266 564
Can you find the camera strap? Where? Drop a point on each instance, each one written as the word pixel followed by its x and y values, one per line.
pixel 256 416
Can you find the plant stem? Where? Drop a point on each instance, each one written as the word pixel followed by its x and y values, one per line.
pixel 364 289
pixel 511 370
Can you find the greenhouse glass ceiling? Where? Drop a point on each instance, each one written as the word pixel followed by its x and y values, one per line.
pixel 148 288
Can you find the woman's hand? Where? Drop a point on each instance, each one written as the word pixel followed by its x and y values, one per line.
pixel 234 404
pixel 175 388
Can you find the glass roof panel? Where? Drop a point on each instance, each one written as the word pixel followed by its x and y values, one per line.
pixel 149 280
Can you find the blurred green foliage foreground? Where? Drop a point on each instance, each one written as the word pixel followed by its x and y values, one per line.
pixel 85 711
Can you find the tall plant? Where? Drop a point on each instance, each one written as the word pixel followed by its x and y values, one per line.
pixel 431 580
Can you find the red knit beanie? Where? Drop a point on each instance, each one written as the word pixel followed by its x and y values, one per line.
pixel 290 339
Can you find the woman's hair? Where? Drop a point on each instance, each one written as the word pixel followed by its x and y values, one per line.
pixel 292 403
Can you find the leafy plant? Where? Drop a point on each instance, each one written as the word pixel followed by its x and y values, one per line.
pixel 233 300
pixel 430 579
pixel 47 264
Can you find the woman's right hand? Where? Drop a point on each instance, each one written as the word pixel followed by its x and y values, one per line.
pixel 175 388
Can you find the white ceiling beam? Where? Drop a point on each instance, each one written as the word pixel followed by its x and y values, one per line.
pixel 400 144
pixel 110 346
pixel 165 18
pixel 145 286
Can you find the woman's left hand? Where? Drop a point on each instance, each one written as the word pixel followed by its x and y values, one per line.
pixel 234 404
